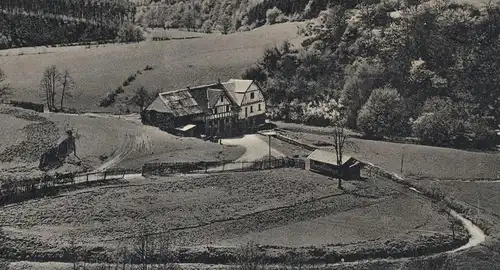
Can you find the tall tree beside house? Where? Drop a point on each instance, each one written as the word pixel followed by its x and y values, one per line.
pixel 142 98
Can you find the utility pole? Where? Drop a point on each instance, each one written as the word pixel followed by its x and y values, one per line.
pixel 269 134
pixel 402 160
pixel 269 151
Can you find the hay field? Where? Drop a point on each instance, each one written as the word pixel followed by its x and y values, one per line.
pixel 279 207
pixel 176 63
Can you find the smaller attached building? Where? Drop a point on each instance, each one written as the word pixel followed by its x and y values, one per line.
pixel 325 162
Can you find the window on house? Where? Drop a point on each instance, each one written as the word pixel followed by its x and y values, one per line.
pixel 227 108
pixel 252 95
pixel 222 99
pixel 260 109
pixel 251 109
pixel 215 111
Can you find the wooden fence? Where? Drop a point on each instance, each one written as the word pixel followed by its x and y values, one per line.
pixel 165 169
pixel 16 190
pixel 296 142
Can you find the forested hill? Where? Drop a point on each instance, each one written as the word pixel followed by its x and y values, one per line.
pixel 394 68
pixel 40 22
pixel 225 15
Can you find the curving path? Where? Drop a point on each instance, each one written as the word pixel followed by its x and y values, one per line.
pixel 255 149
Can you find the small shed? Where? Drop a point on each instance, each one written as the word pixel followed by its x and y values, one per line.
pixel 325 162
pixel 186 131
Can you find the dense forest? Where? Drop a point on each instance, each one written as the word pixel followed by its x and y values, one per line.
pixel 226 15
pixel 393 68
pixel 37 22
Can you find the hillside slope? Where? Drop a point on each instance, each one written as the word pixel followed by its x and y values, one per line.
pixel 176 64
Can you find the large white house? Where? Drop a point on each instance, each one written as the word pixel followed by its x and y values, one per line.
pixel 219 109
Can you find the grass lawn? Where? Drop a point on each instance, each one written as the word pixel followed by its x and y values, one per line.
pixel 176 64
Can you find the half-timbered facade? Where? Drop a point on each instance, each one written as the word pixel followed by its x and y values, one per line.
pixel 220 109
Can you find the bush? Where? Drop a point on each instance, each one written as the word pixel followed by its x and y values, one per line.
pixel 148 67
pixel 254 72
pixel 206 27
pixel 382 114
pixel 445 123
pixel 119 90
pixel 129 33
pixel 273 14
pixel 109 99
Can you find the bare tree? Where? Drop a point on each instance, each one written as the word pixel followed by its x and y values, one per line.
pixel 339 141
pixel 67 85
pixel 50 80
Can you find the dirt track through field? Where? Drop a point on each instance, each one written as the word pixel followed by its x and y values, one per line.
pixel 477 235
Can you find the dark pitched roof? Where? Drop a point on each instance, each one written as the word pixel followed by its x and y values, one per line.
pixel 213 96
pixel 199 99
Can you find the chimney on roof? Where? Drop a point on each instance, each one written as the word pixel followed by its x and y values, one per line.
pixel 218 80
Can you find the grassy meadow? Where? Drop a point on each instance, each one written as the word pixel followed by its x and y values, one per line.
pixel 176 64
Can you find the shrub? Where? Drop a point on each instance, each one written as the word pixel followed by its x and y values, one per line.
pixel 254 72
pixel 109 99
pixel 446 123
pixel 206 27
pixel 382 114
pixel 273 14
pixel 148 67
pixel 119 90
pixel 129 33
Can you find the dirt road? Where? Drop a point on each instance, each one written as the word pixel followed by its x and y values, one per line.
pixel 256 148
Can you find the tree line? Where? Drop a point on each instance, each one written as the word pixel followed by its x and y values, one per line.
pixel 22 30
pixel 99 11
pixel 227 15
pixel 401 69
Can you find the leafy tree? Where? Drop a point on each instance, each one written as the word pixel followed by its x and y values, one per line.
pixel 273 14
pixel 447 123
pixel 362 77
pixel 225 24
pixel 142 97
pixel 254 72
pixel 382 114
pixel 129 33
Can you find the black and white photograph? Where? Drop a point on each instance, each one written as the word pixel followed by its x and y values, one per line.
pixel 249 134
